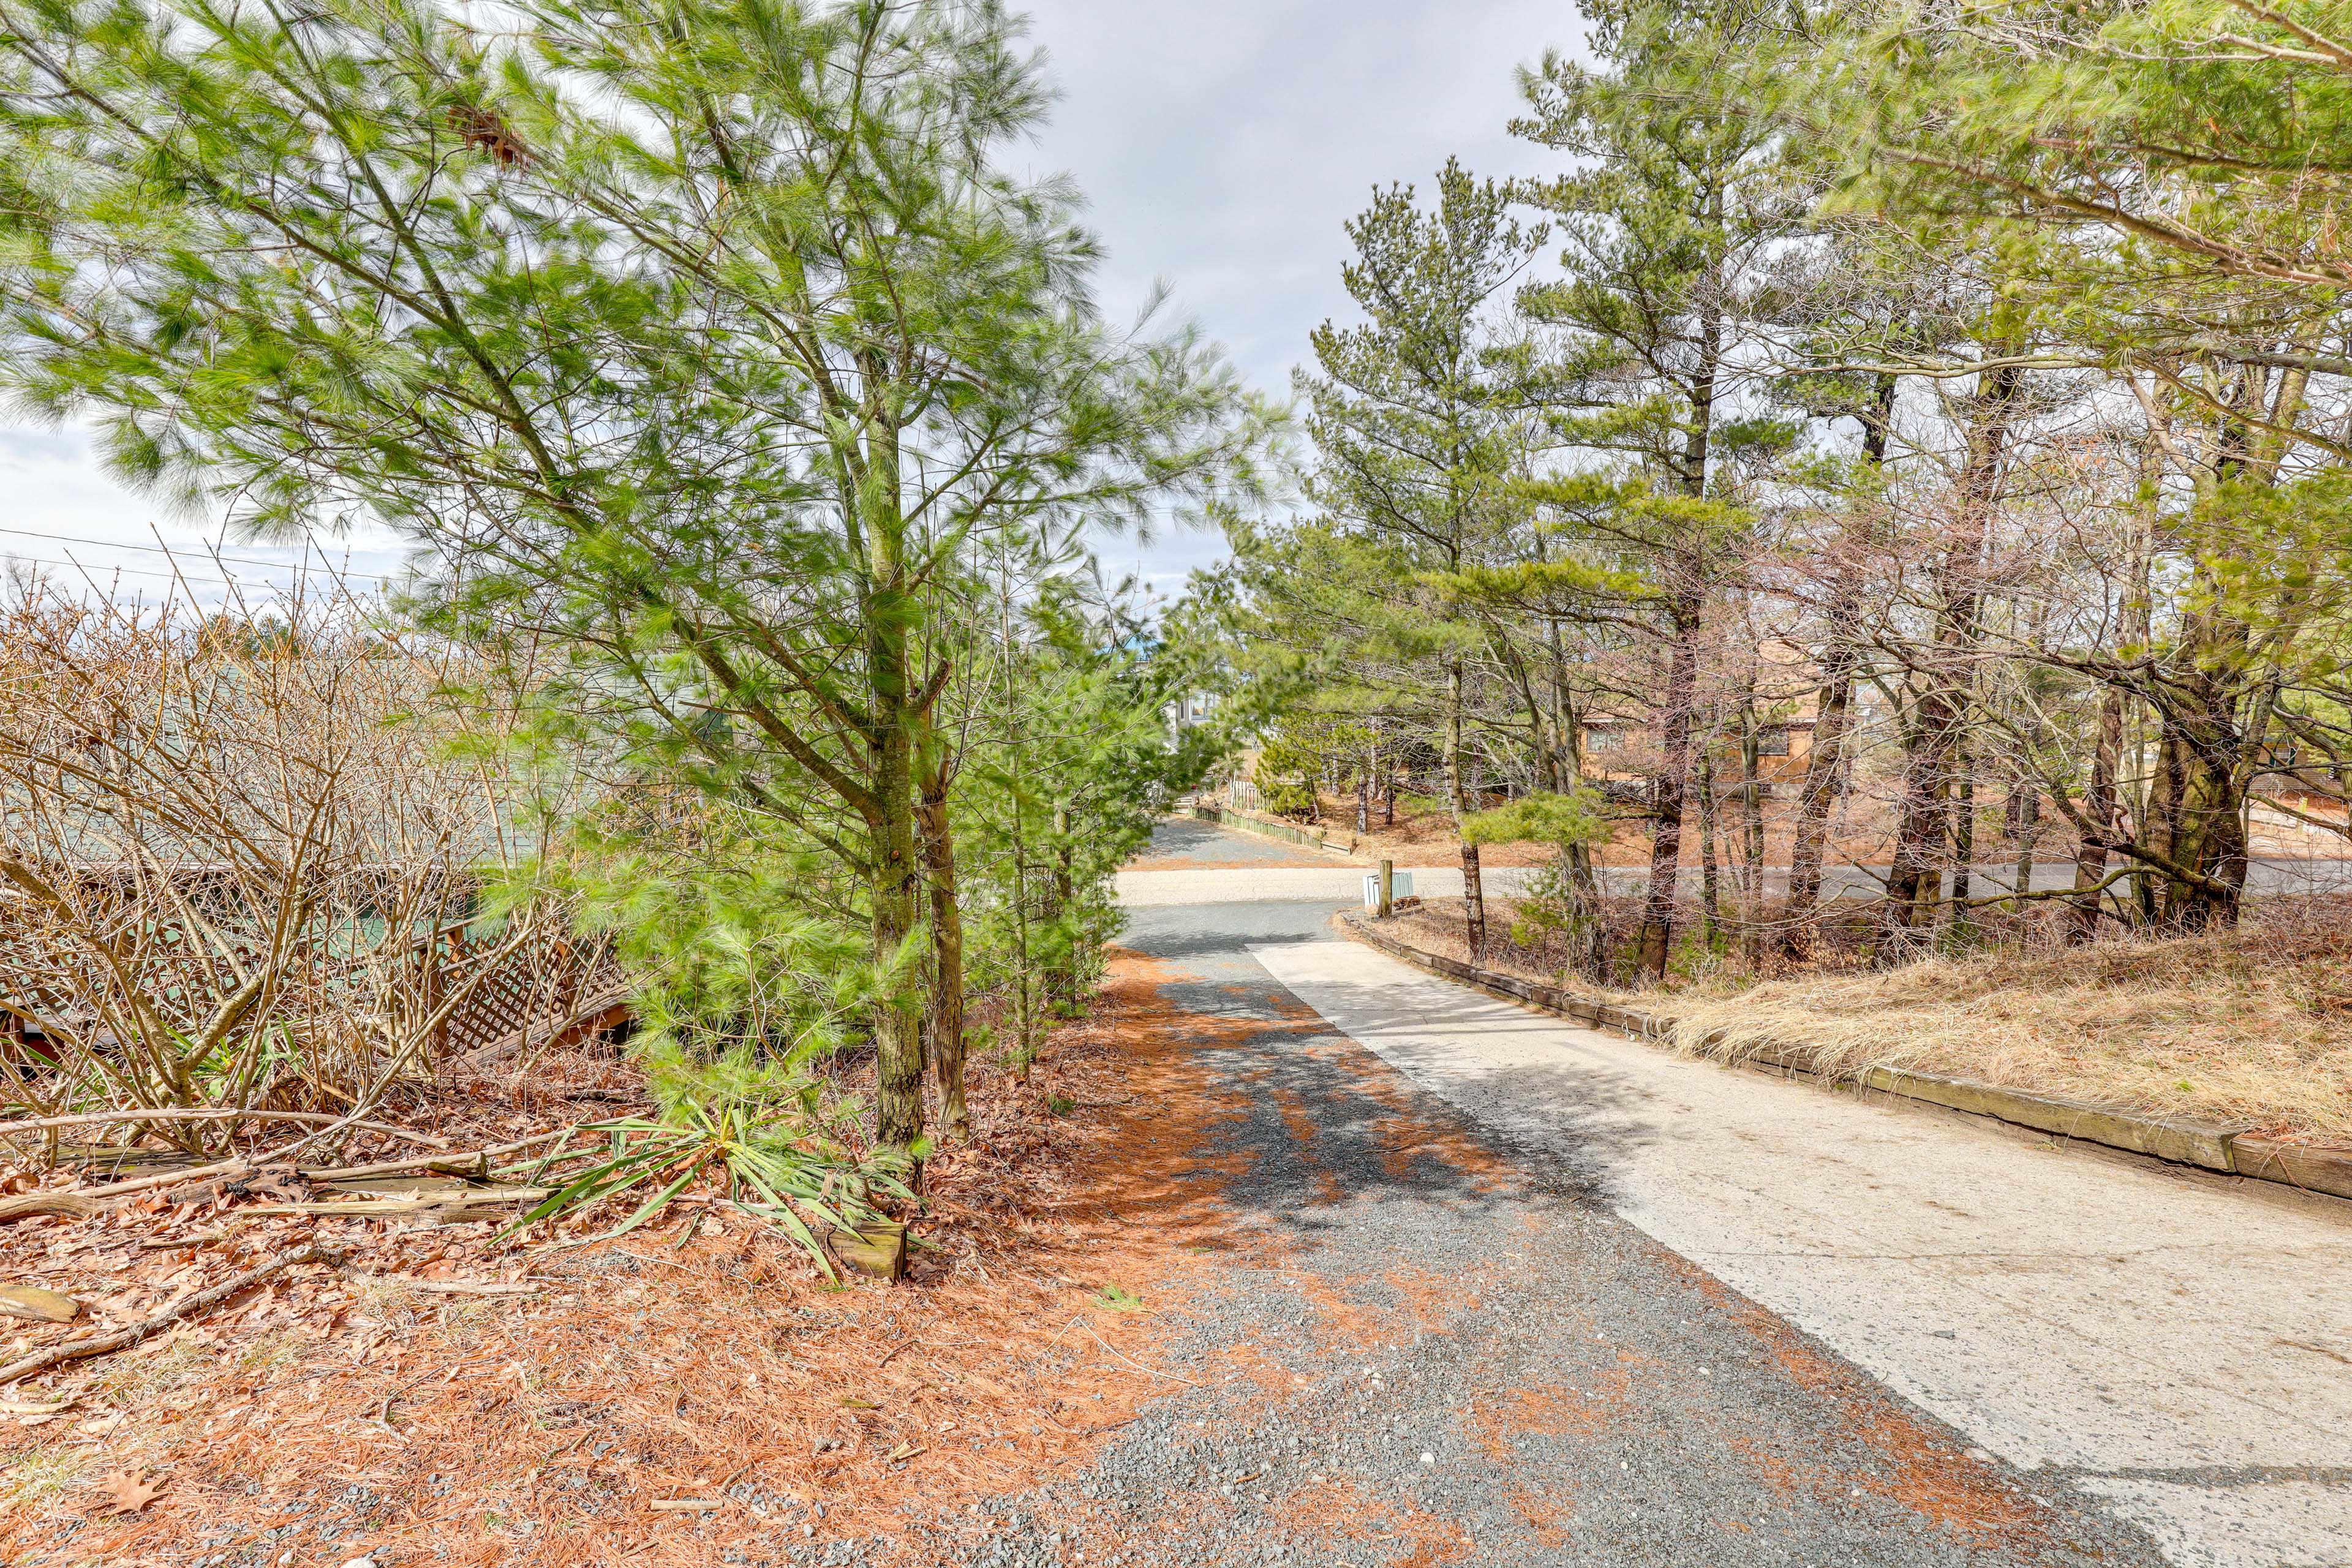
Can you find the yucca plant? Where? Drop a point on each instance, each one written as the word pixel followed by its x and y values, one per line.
pixel 742 991
pixel 768 1171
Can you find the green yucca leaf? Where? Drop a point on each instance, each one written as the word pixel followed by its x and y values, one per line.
pixel 760 1151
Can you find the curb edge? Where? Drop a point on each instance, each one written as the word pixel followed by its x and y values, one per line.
pixel 2181 1141
pixel 1280 833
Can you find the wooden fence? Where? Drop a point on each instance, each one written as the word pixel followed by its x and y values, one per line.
pixel 499 997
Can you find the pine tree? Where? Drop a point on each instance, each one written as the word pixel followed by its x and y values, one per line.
pixel 1419 419
pixel 694 339
pixel 1675 203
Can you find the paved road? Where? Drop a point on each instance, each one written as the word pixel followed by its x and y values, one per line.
pixel 1278 872
pixel 1711 1318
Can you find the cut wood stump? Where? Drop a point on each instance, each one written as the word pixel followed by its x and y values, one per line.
pixel 40 1306
pixel 879 1250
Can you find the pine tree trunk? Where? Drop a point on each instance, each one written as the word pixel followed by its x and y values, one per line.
pixel 1591 950
pixel 2196 808
pixel 1964 845
pixel 2092 848
pixel 2205 744
pixel 1569 768
pixel 2200 810
pixel 897 1023
pixel 1062 984
pixel 1833 710
pixel 946 1018
pixel 1025 968
pixel 1474 890
pixel 893 719
pixel 2028 817
pixel 1673 782
pixel 1540 742
pixel 1920 828
pixel 1751 811
pixel 1709 877
pixel 1948 676
pixel 1687 620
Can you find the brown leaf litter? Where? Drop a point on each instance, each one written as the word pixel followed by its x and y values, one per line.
pixel 697 1387
pixel 659 1398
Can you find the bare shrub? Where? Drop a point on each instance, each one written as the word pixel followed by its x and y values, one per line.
pixel 242 857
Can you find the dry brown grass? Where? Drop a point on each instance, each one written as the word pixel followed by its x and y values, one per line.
pixel 2252 1027
pixel 2237 1028
pixel 1424 835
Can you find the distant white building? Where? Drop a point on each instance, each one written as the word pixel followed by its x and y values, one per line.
pixel 1189 710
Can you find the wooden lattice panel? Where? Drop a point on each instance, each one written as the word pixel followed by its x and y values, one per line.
pixel 538 989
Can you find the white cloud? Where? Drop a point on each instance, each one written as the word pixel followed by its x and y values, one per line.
pixel 1222 143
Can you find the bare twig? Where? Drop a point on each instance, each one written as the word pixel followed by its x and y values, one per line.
pixel 1080 1322
pixel 465 1287
pixel 82 1349
pixel 88 1200
pixel 76 1205
pixel 97 1198
pixel 476 1157
pixel 223 1113
pixel 376 1208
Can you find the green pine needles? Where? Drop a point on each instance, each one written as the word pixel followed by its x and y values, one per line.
pixel 713 360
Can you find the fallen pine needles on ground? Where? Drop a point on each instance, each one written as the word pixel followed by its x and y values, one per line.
pixel 392 1382
pixel 186 1306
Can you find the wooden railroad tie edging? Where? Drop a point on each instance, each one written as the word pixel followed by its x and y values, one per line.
pixel 2233 1150
pixel 1267 827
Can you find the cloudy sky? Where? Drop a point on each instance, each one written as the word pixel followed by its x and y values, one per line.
pixel 1220 144
pixel 1223 142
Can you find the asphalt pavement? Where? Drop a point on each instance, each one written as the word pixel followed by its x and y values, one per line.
pixel 1477 1350
pixel 1191 863
pixel 2174 1343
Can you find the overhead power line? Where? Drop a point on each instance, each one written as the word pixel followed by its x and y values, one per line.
pixel 194 551
pixel 88 571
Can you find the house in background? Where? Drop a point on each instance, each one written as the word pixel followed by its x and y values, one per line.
pixel 1189 710
pixel 1618 750
pixel 1621 749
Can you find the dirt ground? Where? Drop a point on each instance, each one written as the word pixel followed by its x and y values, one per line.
pixel 1205 1286
pixel 1421 837
pixel 1862 833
